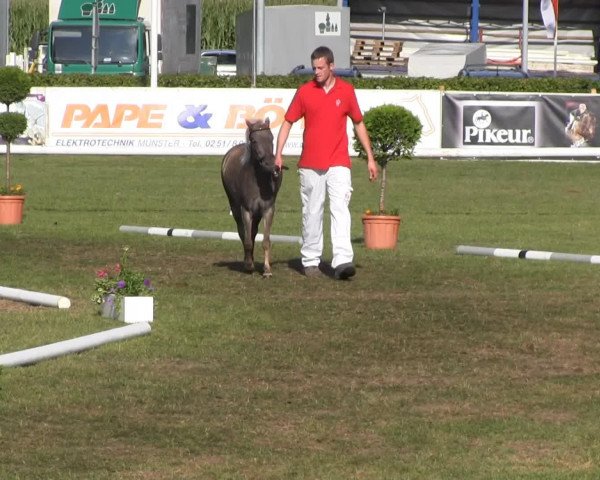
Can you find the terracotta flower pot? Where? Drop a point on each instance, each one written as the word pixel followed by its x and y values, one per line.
pixel 11 209
pixel 381 231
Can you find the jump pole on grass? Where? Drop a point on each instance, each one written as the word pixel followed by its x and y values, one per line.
pixel 75 345
pixel 180 232
pixel 526 254
pixel 34 298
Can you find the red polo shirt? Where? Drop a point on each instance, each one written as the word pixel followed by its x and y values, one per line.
pixel 325 141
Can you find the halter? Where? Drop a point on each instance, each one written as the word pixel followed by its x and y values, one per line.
pixel 258 130
pixel 275 173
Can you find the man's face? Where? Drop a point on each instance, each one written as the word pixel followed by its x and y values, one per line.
pixel 322 70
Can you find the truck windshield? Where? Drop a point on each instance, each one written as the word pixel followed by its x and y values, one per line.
pixel 73 44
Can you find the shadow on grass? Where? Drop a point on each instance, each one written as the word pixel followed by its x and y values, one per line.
pixel 294 264
pixel 234 266
pixel 238 266
pixel 358 240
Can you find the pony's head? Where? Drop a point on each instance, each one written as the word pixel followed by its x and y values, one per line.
pixel 260 142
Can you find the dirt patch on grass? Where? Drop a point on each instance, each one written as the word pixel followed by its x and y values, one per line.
pixel 539 456
pixel 14 306
pixel 540 355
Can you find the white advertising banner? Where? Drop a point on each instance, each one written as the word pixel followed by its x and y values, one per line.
pixel 194 121
pixel 165 120
pixel 198 121
pixel 425 104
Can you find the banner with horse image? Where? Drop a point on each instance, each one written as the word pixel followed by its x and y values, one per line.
pixel 520 121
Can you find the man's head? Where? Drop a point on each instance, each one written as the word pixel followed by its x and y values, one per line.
pixel 322 64
pixel 322 52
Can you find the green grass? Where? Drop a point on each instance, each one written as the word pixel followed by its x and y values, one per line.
pixel 427 365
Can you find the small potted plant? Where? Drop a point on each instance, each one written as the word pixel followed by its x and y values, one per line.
pixel 123 293
pixel 394 133
pixel 14 87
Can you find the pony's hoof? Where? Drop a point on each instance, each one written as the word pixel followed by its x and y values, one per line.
pixel 267 275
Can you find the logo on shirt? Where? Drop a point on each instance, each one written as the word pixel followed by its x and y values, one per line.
pixel 338 102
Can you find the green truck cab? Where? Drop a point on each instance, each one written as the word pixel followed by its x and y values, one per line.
pixel 101 37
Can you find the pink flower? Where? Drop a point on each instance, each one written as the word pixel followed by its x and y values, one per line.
pixel 102 274
pixel 117 268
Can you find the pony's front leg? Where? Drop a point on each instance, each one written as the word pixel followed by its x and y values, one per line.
pixel 268 221
pixel 248 240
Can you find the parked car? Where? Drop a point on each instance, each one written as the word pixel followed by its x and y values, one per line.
pixel 493 70
pixel 339 72
pixel 221 62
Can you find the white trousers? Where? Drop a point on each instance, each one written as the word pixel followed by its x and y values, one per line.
pixel 314 186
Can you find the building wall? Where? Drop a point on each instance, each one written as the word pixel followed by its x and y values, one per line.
pixel 175 58
pixel 291 34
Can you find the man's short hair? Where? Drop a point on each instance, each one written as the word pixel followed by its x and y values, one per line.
pixel 322 52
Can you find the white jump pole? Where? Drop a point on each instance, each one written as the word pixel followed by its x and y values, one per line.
pixel 75 345
pixel 527 254
pixel 180 232
pixel 34 298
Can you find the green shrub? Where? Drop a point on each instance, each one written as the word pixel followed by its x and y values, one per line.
pixel 394 132
pixel 14 87
pixel 12 125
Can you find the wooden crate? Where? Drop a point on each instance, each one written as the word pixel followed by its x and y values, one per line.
pixel 377 52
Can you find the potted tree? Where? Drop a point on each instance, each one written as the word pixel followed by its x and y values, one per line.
pixel 394 132
pixel 14 87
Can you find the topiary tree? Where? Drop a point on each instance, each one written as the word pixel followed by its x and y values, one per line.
pixel 14 87
pixel 394 131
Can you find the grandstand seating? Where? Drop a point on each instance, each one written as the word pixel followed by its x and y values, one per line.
pixel 389 48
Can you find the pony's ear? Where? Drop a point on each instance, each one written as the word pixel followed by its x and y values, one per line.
pixel 248 123
pixel 267 121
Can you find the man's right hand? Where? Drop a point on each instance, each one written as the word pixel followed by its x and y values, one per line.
pixel 279 162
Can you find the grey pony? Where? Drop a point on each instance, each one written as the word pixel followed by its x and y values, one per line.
pixel 251 181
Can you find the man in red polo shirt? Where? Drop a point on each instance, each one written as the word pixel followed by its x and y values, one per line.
pixel 326 102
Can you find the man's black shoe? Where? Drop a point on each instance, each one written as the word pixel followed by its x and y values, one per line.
pixel 344 271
